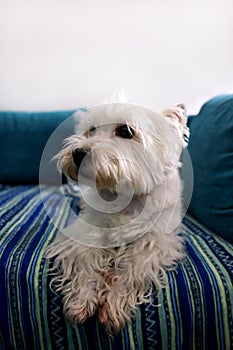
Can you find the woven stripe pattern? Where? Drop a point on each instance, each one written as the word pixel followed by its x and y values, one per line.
pixel 194 312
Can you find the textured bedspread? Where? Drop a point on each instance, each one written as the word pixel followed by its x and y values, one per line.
pixel 195 311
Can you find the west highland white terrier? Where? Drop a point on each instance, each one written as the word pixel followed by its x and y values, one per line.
pixel 126 158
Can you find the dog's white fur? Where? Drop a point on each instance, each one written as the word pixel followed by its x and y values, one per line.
pixel 113 280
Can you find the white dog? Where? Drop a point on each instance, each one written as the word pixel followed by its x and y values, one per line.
pixel 128 236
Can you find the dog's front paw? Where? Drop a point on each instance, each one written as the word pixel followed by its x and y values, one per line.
pixel 113 317
pixel 108 319
pixel 79 314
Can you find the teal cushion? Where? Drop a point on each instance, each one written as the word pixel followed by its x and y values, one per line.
pixel 23 136
pixel 211 152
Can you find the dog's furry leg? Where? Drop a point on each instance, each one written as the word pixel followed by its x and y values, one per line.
pixel 113 317
pixel 79 306
pixel 113 308
pixel 75 278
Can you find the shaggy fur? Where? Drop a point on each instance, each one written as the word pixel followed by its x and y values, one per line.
pixel 122 253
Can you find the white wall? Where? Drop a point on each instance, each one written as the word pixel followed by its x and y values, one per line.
pixel 64 54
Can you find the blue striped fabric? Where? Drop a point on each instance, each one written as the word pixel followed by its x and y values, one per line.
pixel 195 311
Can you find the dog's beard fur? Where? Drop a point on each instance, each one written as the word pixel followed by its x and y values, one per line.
pixel 114 280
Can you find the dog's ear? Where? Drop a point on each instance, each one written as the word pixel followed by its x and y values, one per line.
pixel 177 114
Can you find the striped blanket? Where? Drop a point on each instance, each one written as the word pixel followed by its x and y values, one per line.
pixel 195 311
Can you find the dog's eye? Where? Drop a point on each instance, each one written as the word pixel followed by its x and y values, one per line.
pixel 124 131
pixel 90 132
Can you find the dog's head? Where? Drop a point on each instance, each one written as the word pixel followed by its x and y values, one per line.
pixel 120 141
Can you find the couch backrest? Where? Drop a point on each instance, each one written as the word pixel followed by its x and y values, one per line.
pixel 211 151
pixel 23 137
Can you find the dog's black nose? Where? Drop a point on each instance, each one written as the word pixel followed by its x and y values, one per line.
pixel 78 156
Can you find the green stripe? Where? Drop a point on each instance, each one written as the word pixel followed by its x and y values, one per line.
pixel 202 303
pixel 179 327
pixel 171 319
pixel 163 321
pixel 130 336
pixel 138 325
pixel 189 288
pixel 78 337
pixel 97 333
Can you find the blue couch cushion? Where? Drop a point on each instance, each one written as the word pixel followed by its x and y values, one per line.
pixel 23 136
pixel 211 151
